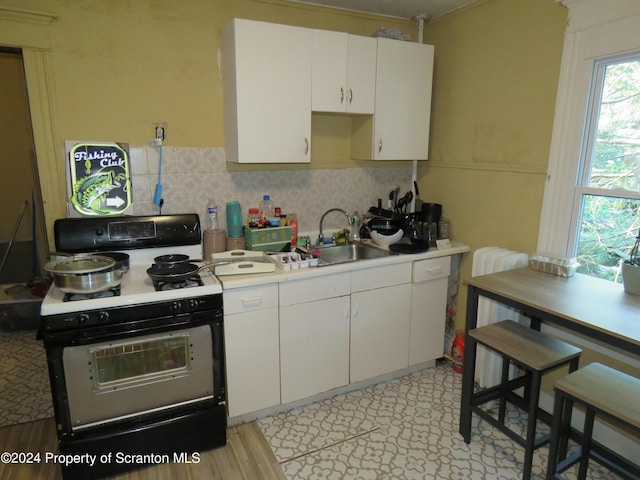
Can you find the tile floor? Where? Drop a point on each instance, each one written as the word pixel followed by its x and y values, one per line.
pixel 25 393
pixel 403 429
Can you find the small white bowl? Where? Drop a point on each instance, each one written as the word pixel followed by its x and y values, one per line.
pixel 386 240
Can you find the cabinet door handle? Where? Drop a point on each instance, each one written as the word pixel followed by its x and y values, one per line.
pixel 350 96
pixel 346 310
pixel 306 145
pixel 341 95
pixel 252 301
pixel 355 309
pixel 379 145
pixel 434 270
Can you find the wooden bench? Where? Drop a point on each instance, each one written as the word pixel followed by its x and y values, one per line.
pixel 534 353
pixel 603 391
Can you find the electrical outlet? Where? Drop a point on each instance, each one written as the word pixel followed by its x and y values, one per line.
pixel 160 132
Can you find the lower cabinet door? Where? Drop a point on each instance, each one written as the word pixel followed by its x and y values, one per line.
pixel 428 309
pixel 314 347
pixel 379 331
pixel 252 360
pixel 428 320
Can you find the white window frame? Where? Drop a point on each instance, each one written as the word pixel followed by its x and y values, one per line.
pixel 582 187
pixel 595 29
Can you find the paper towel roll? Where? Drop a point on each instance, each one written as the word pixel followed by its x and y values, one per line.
pixel 213 241
pixel 235 243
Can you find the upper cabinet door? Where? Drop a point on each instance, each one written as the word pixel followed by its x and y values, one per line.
pixel 328 71
pixel 361 86
pixel 343 72
pixel 266 77
pixel 403 100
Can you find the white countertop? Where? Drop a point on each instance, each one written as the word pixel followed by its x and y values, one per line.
pixel 248 280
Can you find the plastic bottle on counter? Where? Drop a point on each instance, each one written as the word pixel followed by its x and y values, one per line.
pixel 457 352
pixel 292 220
pixel 254 218
pixel 234 219
pixel 355 224
pixel 266 209
pixel 212 215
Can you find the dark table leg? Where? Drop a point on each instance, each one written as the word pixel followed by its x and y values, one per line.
pixel 536 323
pixel 469 364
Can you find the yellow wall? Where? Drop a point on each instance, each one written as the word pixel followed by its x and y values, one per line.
pixel 496 73
pixel 122 66
pixel 117 68
pixel 16 146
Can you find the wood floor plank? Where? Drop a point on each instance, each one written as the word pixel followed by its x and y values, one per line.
pixel 247 456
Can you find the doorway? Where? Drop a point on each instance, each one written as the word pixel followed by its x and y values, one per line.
pixel 25 393
pixel 21 219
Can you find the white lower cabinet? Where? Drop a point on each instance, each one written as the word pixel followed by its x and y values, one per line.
pixel 314 347
pixel 380 311
pixel 299 338
pixel 314 336
pixel 379 331
pixel 428 309
pixel 252 348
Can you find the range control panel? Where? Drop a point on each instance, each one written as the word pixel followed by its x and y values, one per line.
pixel 94 234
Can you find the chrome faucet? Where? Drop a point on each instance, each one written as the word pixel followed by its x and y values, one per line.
pixel 320 234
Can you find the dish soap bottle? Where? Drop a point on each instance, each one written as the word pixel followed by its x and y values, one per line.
pixel 212 213
pixel 355 224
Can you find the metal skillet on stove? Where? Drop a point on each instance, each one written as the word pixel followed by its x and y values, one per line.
pixel 177 268
pixel 172 259
pixel 175 272
pixel 85 274
pixel 174 268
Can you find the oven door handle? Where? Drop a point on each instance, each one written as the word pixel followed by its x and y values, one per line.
pixel 105 333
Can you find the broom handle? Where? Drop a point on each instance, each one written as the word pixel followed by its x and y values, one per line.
pixel 13 236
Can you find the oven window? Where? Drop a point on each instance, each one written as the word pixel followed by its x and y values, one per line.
pixel 148 359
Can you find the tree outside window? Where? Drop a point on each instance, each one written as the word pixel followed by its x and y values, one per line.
pixel 607 200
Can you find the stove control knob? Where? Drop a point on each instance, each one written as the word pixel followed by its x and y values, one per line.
pixel 193 304
pixel 103 317
pixel 83 318
pixel 176 307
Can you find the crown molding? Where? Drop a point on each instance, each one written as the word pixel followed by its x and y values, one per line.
pixel 26 16
pixel 585 14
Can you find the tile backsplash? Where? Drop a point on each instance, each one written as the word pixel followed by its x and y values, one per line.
pixel 190 176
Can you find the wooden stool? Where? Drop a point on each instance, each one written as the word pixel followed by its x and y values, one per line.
pixel 536 354
pixel 603 391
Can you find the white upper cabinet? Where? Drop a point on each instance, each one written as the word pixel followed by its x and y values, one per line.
pixel 274 76
pixel 403 100
pixel 343 73
pixel 266 77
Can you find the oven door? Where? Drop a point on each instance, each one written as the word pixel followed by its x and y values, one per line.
pixel 113 380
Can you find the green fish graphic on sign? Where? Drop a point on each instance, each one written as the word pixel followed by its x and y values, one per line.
pixel 90 192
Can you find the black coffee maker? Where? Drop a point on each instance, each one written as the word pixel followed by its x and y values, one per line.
pixel 423 225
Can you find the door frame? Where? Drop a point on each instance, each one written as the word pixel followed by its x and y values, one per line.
pixel 29 31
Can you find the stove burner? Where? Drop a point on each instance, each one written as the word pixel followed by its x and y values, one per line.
pixel 192 281
pixel 72 297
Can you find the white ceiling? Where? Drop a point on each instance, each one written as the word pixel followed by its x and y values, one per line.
pixel 395 8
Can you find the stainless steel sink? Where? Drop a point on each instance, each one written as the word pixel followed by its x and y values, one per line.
pixel 350 253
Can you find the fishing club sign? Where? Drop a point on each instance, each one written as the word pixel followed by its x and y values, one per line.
pixel 99 178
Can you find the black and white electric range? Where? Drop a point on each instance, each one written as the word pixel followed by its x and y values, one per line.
pixel 136 371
